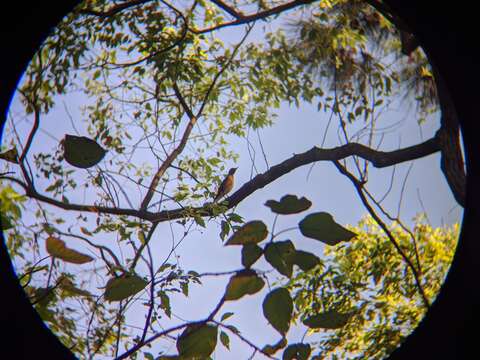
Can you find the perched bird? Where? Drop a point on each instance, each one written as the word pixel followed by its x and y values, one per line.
pixel 226 185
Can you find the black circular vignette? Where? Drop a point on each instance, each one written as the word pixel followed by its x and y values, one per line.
pixel 445 31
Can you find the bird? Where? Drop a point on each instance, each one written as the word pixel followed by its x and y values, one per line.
pixel 226 186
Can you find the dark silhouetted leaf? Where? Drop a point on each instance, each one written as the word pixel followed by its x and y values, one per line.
pixel 321 226
pixel 297 352
pixel 280 255
pixel 251 233
pixel 82 152
pixel 250 254
pixel 289 204
pixel 327 320
pixel 122 287
pixel 245 282
pixel 58 249
pixel 278 308
pixel 272 349
pixel 197 341
pixel 10 155
pixel 305 260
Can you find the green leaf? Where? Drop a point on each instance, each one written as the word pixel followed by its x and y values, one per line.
pixel 289 204
pixel 272 349
pixel 199 220
pixel 327 320
pixel 225 340
pixel 197 341
pixel 305 260
pixel 82 152
pixel 58 249
pixel 250 254
pixel 280 255
pixel 251 233
pixel 245 282
pixel 165 303
pixel 297 352
pixel 321 226
pixel 122 287
pixel 278 308
pixel 226 316
pixel 10 155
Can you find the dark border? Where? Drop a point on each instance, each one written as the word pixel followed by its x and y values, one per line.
pixel 447 30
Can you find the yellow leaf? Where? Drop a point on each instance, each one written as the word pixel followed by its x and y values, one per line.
pixel 57 248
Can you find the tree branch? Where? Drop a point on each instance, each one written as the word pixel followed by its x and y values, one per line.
pixel 114 9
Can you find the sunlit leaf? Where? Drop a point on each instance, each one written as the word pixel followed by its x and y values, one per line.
pixel 297 352
pixel 327 320
pixel 58 249
pixel 122 287
pixel 69 287
pixel 280 255
pixel 278 308
pixel 321 226
pixel 245 282
pixel 251 233
pixel 82 152
pixel 226 316
pixel 197 341
pixel 289 204
pixel 250 254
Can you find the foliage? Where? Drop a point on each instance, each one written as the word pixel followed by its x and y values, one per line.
pixel 163 98
pixel 367 278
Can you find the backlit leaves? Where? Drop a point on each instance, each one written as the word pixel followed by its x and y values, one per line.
pixel 289 204
pixel 58 249
pixel 321 226
pixel 121 288
pixel 245 282
pixel 278 309
pixel 197 341
pixel 251 233
pixel 82 152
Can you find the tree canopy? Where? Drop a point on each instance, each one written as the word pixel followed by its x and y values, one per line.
pixel 124 126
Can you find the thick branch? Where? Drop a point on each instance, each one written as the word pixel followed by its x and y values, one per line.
pixel 379 159
pixel 245 19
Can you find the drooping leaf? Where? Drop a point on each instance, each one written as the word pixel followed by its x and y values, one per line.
pixel 278 308
pixel 289 204
pixel 197 341
pixel 321 226
pixel 82 152
pixel 250 254
pixel 272 349
pixel 69 287
pixel 280 255
pixel 297 352
pixel 58 249
pixel 165 303
pixel 225 340
pixel 122 287
pixel 251 233
pixel 305 260
pixel 245 282
pixel 10 155
pixel 327 320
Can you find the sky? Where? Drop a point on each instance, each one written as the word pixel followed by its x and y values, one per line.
pixel 294 131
